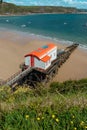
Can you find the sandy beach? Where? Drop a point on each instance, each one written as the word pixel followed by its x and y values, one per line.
pixel 14 45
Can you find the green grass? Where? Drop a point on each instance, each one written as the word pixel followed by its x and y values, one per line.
pixel 26 118
pixel 58 106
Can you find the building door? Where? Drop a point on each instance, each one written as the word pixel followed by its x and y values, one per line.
pixel 32 61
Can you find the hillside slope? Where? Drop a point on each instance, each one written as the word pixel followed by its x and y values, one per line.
pixel 8 8
pixel 58 106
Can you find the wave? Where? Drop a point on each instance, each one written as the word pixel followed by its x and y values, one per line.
pixel 50 38
pixel 23 25
pixel 58 40
pixel 83 46
pixel 7 20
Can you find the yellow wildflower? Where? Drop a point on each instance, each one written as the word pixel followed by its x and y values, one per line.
pixel 75 128
pixel 82 123
pixel 73 116
pixel 42 117
pixel 53 116
pixel 71 122
pixel 85 127
pixel 38 118
pixel 27 116
pixel 57 120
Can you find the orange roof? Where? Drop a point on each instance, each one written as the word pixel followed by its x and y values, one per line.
pixel 46 58
pixel 41 52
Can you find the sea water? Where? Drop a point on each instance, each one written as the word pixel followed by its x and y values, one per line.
pixel 67 28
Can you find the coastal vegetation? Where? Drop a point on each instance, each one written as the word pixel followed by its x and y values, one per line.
pixel 10 9
pixel 1 1
pixel 55 106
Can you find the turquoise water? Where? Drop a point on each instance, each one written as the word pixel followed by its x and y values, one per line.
pixel 65 27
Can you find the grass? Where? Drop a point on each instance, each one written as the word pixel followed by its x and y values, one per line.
pixel 29 119
pixel 59 106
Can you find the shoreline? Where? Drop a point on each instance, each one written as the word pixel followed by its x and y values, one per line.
pixel 39 13
pixel 15 44
pixel 43 37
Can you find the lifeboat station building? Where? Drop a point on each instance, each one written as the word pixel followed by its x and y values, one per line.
pixel 42 57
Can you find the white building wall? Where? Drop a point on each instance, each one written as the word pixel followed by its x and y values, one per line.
pixel 41 64
pixel 53 54
pixel 47 64
pixel 27 60
pixel 38 63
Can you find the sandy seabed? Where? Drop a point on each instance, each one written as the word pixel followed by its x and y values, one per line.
pixel 14 45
